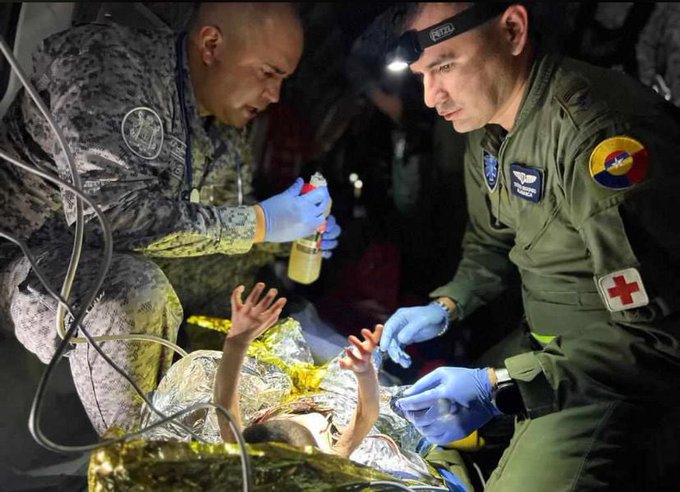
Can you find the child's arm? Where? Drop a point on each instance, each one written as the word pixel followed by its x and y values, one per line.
pixel 249 320
pixel 358 360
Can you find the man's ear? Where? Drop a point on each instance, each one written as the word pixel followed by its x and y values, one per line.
pixel 209 40
pixel 515 24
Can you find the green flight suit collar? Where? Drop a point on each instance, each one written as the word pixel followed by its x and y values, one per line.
pixel 542 71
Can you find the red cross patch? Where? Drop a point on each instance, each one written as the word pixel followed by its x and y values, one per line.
pixel 622 290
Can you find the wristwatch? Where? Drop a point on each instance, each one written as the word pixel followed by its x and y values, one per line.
pixel 506 396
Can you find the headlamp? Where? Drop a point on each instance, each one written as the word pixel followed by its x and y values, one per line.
pixel 412 43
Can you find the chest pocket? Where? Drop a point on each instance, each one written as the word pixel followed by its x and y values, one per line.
pixel 541 228
pixel 532 220
pixel 529 220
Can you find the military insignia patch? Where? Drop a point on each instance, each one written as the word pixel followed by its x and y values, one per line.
pixel 490 171
pixel 142 131
pixel 526 182
pixel 622 290
pixel 619 162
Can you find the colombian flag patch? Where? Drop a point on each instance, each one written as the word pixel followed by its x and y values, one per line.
pixel 619 163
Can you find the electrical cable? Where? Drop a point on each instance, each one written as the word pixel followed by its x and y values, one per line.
pixel 62 303
pixel 80 227
pixel 75 254
pixel 400 486
pixel 34 416
pixel 378 483
pixel 479 473
pixel 383 483
pixel 90 339
pixel 428 487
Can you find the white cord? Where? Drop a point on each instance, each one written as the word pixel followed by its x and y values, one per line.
pixel 78 243
pixel 80 227
pixel 60 299
pixel 397 485
pixel 63 306
pixel 479 473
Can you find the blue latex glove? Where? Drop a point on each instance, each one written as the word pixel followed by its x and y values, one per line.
pixel 290 216
pixel 411 325
pixel 329 237
pixel 449 403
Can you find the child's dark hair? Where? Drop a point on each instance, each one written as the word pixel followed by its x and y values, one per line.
pixel 285 431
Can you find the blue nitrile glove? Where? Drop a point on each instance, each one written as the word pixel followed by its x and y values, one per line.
pixel 449 403
pixel 289 216
pixel 329 237
pixel 411 325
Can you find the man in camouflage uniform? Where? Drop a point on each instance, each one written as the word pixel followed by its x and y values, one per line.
pixel 571 179
pixel 658 51
pixel 129 104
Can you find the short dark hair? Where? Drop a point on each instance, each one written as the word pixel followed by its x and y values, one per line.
pixel 285 431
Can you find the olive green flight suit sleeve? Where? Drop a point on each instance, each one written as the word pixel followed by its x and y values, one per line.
pixel 636 355
pixel 484 268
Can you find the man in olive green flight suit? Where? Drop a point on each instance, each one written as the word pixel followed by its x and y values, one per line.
pixel 571 173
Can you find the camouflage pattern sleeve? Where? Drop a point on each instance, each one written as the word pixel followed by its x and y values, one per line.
pixel 114 96
pixel 672 51
pixel 648 45
pixel 658 50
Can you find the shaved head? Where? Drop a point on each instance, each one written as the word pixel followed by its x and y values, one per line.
pixel 242 20
pixel 239 54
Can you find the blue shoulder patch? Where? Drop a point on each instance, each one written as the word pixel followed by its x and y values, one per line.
pixel 490 171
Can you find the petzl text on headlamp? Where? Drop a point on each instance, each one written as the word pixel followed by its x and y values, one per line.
pixel 412 43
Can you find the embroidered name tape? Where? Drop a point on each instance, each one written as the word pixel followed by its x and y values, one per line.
pixel 526 182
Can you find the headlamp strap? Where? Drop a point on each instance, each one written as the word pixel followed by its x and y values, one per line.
pixel 459 23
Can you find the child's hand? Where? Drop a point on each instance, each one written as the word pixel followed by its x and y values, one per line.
pixel 252 318
pixel 358 357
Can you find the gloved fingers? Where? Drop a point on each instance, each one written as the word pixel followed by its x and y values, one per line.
pixel 427 382
pixel 398 355
pixel 393 351
pixel 407 335
pixel 392 327
pixel 429 416
pixel 445 426
pixel 404 359
pixel 327 245
pixel 445 437
pixel 326 254
pixel 318 197
pixel 421 400
pixel 295 188
pixel 315 220
pixel 333 230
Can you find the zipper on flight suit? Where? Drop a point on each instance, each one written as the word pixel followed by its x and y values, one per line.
pixel 501 179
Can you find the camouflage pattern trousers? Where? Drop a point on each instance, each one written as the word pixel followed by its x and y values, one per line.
pixel 138 296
